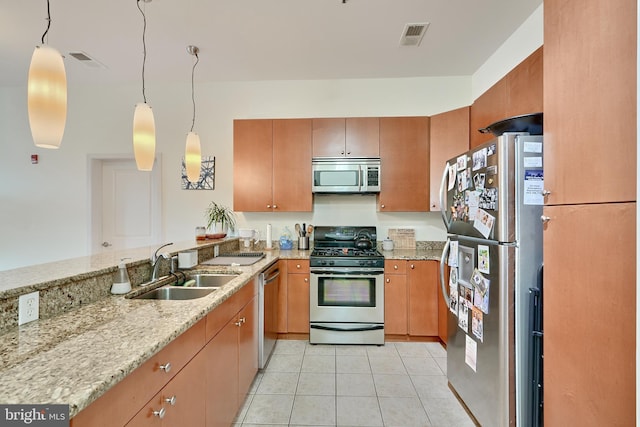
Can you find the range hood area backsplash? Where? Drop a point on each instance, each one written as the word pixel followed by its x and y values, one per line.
pixel 347 210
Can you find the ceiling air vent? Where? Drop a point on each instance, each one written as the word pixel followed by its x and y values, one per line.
pixel 87 60
pixel 413 33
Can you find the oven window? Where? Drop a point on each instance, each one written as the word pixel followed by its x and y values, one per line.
pixel 347 291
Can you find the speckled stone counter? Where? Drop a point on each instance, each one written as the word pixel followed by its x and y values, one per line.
pixel 75 357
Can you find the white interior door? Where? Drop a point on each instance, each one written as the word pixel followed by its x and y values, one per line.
pixel 127 208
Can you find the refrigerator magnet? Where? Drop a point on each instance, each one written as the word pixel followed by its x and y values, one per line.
pixel 533 186
pixel 462 162
pixel 483 222
pixel 463 180
pixel 452 176
pixel 477 325
pixel 481 299
pixel 470 352
pixel 453 300
pixel 483 259
pixel 478 181
pixel 489 199
pixel 491 150
pixel 472 200
pixel 479 159
pixel 463 314
pixel 453 256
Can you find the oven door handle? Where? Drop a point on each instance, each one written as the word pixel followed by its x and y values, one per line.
pixel 355 329
pixel 358 272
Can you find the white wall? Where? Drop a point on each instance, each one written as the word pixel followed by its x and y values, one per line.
pixel 44 208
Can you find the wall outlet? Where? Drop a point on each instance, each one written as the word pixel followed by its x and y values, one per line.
pixel 28 307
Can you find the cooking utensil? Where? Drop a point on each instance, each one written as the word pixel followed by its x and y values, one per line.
pixel 297 227
pixel 304 229
pixel 531 123
pixel 309 229
pixel 363 240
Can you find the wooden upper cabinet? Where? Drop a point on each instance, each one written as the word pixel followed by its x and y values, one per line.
pixel 524 86
pixel 252 165
pixel 449 138
pixel 404 157
pixel 519 92
pixel 292 165
pixel 350 137
pixel 590 101
pixel 272 165
pixel 488 108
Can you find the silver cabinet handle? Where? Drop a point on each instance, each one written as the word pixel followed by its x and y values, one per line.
pixel 395 267
pixel 413 266
pixel 388 280
pixel 545 192
pixel 171 400
pixel 268 206
pixel 166 367
pixel 106 244
pixel 241 321
pixel 545 219
pixel 306 280
pixel 297 265
pixel 382 206
pixel 160 413
pixel 275 206
pixel 342 153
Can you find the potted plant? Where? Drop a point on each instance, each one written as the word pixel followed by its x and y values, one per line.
pixel 220 218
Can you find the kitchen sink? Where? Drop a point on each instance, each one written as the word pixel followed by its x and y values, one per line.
pixel 175 293
pixel 207 280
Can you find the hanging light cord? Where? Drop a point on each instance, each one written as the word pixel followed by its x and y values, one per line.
pixel 144 47
pixel 193 96
pixel 48 22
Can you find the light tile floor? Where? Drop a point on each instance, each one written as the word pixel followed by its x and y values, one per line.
pixel 399 384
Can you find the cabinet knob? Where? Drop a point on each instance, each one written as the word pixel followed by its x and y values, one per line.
pixel 306 280
pixel 166 367
pixel 297 265
pixel 268 206
pixel 388 280
pixel 412 266
pixel 160 413
pixel 275 206
pixel 342 153
pixel 545 192
pixel 395 267
pixel 545 219
pixel 171 400
pixel 382 206
pixel 348 153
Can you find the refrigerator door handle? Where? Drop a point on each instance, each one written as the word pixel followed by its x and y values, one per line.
pixel 443 194
pixel 443 258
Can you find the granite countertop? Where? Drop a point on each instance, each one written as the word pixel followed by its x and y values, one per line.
pixel 75 357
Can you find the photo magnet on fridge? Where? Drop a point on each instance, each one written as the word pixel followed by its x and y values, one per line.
pixel 477 325
pixel 483 259
pixel 463 314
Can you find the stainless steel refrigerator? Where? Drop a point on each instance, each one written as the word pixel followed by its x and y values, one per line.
pixel 491 200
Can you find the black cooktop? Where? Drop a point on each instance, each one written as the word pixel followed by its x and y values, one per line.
pixel 336 247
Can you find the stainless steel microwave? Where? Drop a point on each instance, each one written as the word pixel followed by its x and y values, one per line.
pixel 345 175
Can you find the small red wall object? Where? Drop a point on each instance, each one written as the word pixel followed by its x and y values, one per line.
pixel 34 159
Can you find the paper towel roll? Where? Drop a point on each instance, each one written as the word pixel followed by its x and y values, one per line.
pixel 268 238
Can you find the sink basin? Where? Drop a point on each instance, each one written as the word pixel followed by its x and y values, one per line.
pixel 207 280
pixel 173 293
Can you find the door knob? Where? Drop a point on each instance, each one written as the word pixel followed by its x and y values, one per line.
pixel 106 244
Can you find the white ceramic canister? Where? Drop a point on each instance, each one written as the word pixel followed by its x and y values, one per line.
pixel 387 244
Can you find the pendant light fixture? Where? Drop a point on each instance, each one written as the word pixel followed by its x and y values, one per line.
pixel 144 127
pixel 192 152
pixel 47 94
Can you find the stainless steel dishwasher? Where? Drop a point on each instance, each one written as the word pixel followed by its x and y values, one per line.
pixel 268 313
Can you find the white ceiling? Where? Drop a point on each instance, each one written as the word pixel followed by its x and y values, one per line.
pixel 257 39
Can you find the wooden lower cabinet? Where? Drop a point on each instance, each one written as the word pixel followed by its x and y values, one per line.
pixel 247 348
pixel 298 296
pixel 411 298
pixel 423 298
pixel 180 402
pixel 395 298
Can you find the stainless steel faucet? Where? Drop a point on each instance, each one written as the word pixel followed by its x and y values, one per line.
pixel 155 261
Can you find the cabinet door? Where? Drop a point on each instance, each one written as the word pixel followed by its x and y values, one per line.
pixel 449 138
pixel 488 108
pixel 184 396
pixel 524 86
pixel 282 298
pixel 221 373
pixel 328 137
pixel 423 298
pixel 252 165
pixel 298 303
pixel 404 155
pixel 589 314
pixel 443 309
pixel 292 165
pixel 395 304
pixel 590 84
pixel 247 348
pixel 362 137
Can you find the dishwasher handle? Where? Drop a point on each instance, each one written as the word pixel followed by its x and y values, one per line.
pixel 273 276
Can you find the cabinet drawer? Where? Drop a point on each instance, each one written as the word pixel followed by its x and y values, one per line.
pixel 297 266
pixel 395 266
pixel 221 315
pixel 124 400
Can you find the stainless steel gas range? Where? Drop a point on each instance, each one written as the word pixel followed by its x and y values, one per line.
pixel 347 287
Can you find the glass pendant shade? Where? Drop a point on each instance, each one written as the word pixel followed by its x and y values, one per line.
pixel 144 136
pixel 193 157
pixel 47 97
